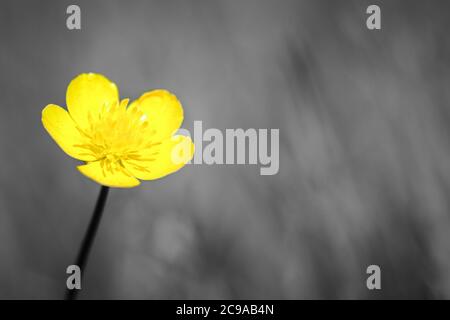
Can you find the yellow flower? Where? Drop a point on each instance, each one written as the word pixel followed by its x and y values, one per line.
pixel 119 144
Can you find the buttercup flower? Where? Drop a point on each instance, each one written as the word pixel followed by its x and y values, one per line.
pixel 119 144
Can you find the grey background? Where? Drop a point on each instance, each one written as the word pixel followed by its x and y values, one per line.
pixel 364 150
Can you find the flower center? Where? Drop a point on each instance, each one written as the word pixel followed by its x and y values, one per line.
pixel 117 133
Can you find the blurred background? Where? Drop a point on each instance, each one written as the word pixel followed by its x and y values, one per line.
pixel 364 119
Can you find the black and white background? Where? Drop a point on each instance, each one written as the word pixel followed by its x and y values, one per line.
pixel 364 119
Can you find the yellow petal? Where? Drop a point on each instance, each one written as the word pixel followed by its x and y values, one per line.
pixel 163 159
pixel 110 178
pixel 87 94
pixel 163 110
pixel 62 129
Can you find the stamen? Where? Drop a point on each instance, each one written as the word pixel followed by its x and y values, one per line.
pixel 117 134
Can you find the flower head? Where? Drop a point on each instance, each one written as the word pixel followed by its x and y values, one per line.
pixel 120 143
